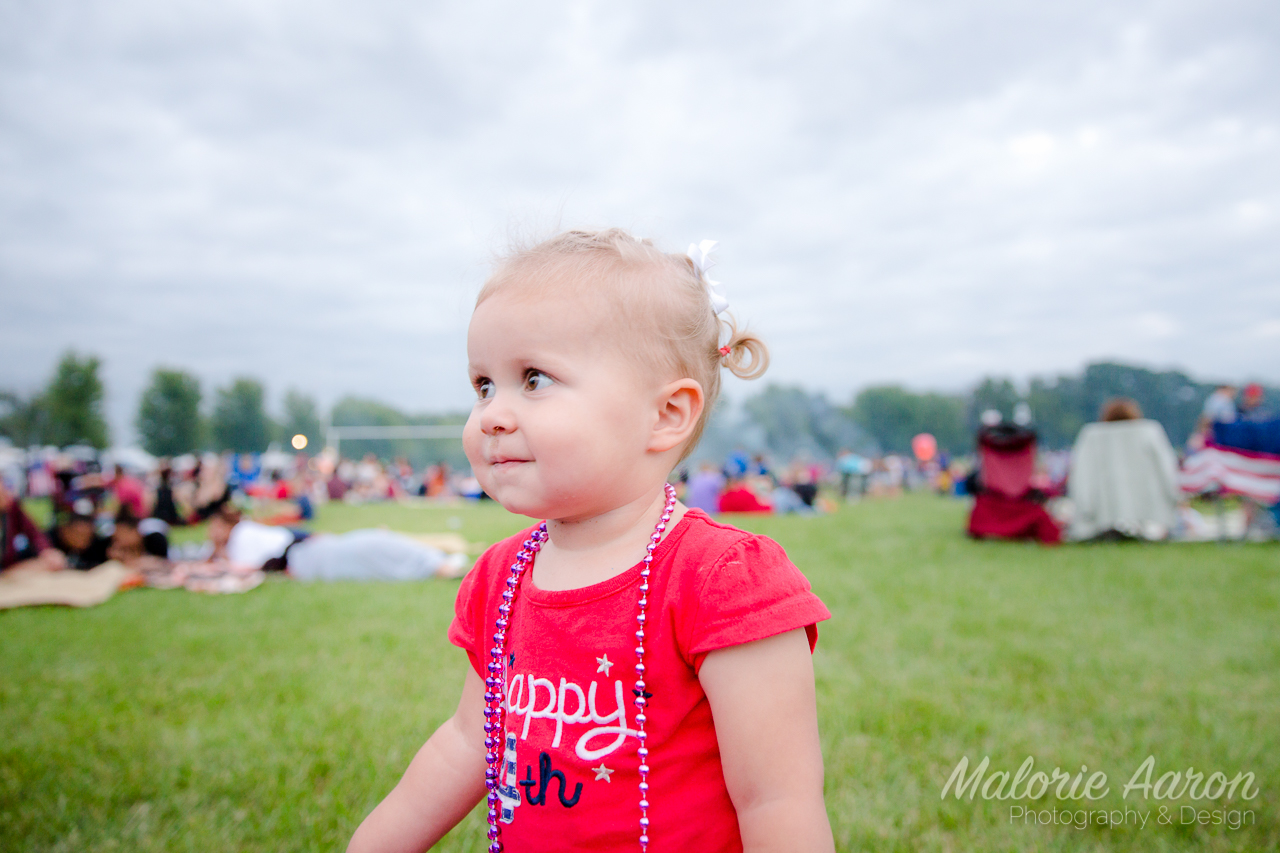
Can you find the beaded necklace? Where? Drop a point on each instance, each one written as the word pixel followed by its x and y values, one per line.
pixel 495 684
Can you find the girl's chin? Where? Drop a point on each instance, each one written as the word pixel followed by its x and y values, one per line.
pixel 514 502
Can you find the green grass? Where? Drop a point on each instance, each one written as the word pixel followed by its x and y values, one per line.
pixel 275 720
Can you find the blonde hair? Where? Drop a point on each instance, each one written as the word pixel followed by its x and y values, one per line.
pixel 657 296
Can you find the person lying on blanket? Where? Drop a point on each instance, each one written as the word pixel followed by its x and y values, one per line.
pixel 246 546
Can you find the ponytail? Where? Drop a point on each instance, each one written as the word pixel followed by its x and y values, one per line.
pixel 744 355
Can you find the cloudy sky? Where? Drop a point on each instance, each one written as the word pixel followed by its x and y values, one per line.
pixel 920 192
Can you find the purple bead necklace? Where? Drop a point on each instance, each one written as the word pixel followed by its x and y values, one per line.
pixel 495 695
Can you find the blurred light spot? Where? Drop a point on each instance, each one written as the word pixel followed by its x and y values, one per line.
pixel 299 441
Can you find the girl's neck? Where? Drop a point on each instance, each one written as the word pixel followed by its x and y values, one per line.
pixel 588 551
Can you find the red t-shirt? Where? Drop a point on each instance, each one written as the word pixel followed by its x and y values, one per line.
pixel 571 757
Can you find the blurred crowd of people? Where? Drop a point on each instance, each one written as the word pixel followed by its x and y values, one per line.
pixel 1229 405
pixel 1123 478
pixel 124 509
pixel 754 483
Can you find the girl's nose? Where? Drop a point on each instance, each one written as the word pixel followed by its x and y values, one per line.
pixel 497 416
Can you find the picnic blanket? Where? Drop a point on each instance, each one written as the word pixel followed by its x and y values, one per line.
pixel 27 586
pixel 1218 468
pixel 216 576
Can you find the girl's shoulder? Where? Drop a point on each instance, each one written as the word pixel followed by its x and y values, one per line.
pixel 707 544
pixel 729 586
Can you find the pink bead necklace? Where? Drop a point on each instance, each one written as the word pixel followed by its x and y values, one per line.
pixel 495 696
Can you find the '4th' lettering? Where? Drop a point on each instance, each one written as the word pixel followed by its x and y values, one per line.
pixel 545 775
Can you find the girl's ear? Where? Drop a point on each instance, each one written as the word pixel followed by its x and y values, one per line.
pixel 679 407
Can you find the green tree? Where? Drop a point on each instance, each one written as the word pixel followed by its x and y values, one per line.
pixel 22 421
pixel 1061 405
pixel 1170 397
pixel 240 421
pixel 301 417
pixel 169 413
pixel 1056 409
pixel 895 415
pixel 73 403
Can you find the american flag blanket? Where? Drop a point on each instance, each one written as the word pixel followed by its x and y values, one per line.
pixel 1218 468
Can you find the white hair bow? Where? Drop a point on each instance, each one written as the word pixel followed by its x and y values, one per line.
pixel 700 254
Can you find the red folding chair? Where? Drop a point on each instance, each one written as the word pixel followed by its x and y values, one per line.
pixel 1005 506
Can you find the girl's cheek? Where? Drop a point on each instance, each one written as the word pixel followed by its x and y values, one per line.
pixel 471 442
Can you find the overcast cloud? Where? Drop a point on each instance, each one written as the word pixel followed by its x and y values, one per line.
pixel 311 193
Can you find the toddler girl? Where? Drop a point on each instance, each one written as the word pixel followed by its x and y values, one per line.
pixel 640 674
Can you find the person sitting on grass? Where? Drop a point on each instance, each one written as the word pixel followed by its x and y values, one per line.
pixel 739 497
pixel 704 488
pixel 166 507
pixel 22 544
pixel 212 490
pixel 1123 481
pixel 129 492
pixel 596 360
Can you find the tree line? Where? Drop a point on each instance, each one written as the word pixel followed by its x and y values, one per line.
pixel 170 420
pixel 792 421
pixel 172 417
pixel 788 420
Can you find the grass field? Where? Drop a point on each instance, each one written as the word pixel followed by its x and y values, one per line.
pixel 276 719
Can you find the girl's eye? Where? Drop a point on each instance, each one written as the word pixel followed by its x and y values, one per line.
pixel 484 388
pixel 536 380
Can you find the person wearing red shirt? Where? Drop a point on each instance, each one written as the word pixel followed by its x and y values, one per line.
pixel 640 674
pixel 570 709
pixel 130 492
pixel 738 498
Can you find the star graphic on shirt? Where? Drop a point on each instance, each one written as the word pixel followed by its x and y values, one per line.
pixel 605 663
pixel 602 772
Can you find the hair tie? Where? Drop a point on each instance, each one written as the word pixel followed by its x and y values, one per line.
pixel 726 349
pixel 700 254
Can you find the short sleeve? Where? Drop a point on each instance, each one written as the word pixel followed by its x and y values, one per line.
pixel 752 592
